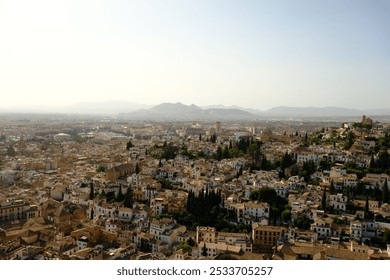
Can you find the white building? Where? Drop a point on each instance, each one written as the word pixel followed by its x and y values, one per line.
pixel 62 137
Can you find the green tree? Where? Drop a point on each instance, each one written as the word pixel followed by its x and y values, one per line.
pixel 350 140
pixel 91 191
pixel 213 138
pixel 120 197
pixel 128 200
pixel 302 222
pixel 307 170
pixel 226 153
pixel 129 145
pixel 169 151
pixel 255 153
pixel 385 193
pixel 286 215
pixel 276 202
pixel 218 155
pixel 191 242
pixel 287 161
pixel 185 247
pixel 265 164
pixel 331 187
pixel 323 200
pixel 101 168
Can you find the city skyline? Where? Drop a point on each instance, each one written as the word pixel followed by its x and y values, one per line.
pixel 252 54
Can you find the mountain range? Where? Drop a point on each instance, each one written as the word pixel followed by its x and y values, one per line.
pixel 180 111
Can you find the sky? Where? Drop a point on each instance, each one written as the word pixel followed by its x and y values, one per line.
pixel 253 54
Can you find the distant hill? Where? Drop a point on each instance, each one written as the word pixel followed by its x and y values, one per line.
pixel 283 112
pixel 179 111
pixel 220 106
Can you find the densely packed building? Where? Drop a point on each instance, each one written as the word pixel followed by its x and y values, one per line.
pixel 114 189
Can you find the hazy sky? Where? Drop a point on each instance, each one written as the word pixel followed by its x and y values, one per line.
pixel 256 54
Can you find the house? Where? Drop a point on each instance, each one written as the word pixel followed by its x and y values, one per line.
pixel 297 251
pixel 169 201
pixel 363 230
pixel 181 255
pixel 249 212
pixel 265 238
pixel 281 188
pixel 122 170
pixel 241 240
pixel 206 234
pixel 166 230
pixel 104 209
pixel 125 213
pixel 375 180
pixel 306 156
pixel 322 226
pixel 350 180
pixel 13 210
pixel 28 253
pixel 338 202
pixel 146 242
pixel 211 250
pixel 82 242
pixel 318 251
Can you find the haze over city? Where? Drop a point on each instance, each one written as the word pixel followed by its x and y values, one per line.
pixel 257 54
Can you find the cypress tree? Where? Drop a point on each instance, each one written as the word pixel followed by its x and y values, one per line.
pixel 323 201
pixel 120 196
pixel 219 155
pixel 331 187
pixel 372 162
pixel 129 145
pixel 385 193
pixel 91 191
pixel 128 201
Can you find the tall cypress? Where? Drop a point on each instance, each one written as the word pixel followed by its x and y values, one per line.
pixel 385 193
pixel 91 191
pixel 128 201
pixel 323 201
pixel 120 196
pixel 331 187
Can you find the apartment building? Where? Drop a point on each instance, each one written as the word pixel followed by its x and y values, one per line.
pixel 18 209
pixel 265 238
